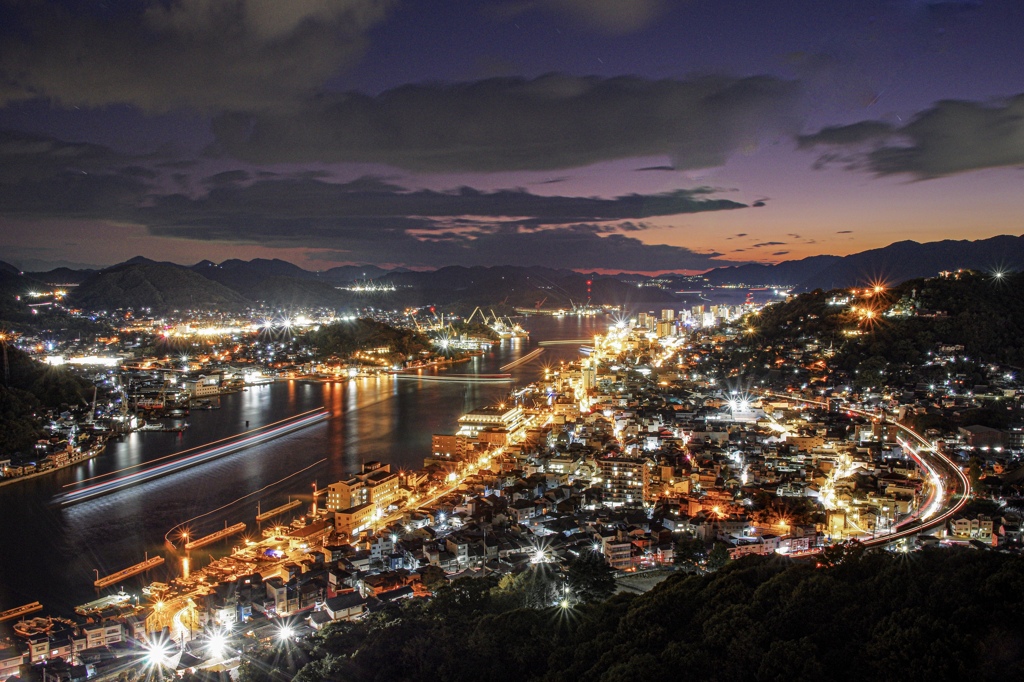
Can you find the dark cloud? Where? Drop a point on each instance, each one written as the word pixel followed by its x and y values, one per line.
pixel 764 244
pixel 780 253
pixel 24 156
pixel 232 177
pixel 555 121
pixel 845 232
pixel 949 138
pixel 370 216
pixel 369 220
pixel 46 178
pixel 741 234
pixel 630 226
pixel 654 168
pixel 758 204
pixel 73 194
pixel 298 209
pixel 139 172
pixel 576 246
pixel 181 164
pixel 608 16
pixel 162 56
pixel 855 133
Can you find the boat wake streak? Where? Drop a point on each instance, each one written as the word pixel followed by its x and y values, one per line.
pixel 263 435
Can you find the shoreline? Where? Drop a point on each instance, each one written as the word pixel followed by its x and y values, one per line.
pixel 99 450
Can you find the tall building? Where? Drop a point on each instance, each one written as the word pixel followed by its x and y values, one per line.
pixel 588 375
pixel 624 481
pixel 668 315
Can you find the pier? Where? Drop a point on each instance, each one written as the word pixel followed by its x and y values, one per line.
pixel 130 571
pixel 20 611
pixel 213 537
pixel 276 511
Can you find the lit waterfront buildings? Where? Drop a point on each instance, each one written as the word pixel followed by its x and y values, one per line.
pixel 629 453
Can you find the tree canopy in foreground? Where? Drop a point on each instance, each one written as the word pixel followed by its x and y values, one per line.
pixel 933 615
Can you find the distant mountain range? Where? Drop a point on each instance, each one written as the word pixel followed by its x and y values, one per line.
pixel 892 264
pixel 160 286
pixel 235 284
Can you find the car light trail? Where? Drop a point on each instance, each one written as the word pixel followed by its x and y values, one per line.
pixel 940 505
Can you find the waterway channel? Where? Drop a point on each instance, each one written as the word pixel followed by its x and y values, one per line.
pixel 53 554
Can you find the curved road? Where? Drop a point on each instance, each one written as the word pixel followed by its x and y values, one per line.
pixel 946 478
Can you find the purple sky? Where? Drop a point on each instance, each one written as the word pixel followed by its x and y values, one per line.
pixel 648 135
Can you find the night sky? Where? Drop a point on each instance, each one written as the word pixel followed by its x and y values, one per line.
pixel 637 135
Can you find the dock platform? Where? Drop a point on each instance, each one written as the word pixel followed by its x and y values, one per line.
pixel 106 581
pixel 277 511
pixel 20 611
pixel 213 537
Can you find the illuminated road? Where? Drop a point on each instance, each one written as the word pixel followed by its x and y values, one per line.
pixel 179 624
pixel 943 503
pixel 946 479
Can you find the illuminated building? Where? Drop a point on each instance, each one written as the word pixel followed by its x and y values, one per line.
pixel 494 419
pixel 623 481
pixel 374 485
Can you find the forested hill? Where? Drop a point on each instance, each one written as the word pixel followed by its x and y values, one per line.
pixel 942 614
pixel 33 386
pixel 979 311
pixel 341 339
pixel 160 286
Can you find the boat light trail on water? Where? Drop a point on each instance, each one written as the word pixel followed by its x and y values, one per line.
pixel 167 535
pixel 197 447
pixel 523 360
pixel 281 428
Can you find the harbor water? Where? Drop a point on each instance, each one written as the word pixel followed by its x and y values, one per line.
pixel 53 554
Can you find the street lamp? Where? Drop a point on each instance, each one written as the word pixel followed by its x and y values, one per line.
pixel 158 654
pixel 216 644
pixel 285 633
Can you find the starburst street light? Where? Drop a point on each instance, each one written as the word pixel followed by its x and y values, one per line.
pixel 158 653
pixel 285 633
pixel 217 644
